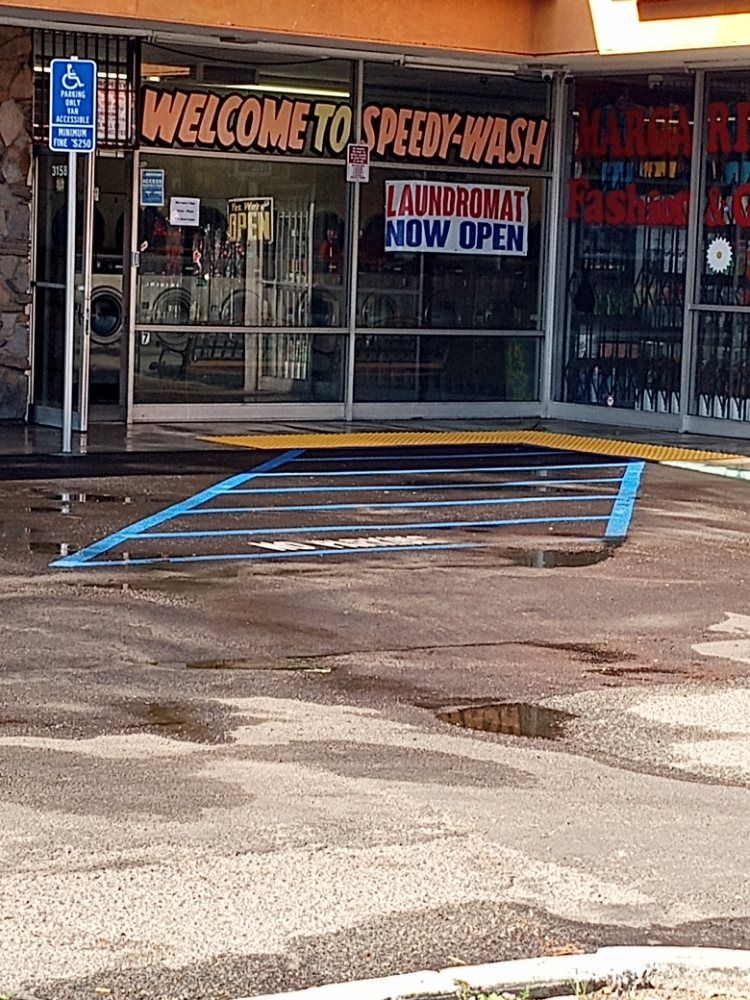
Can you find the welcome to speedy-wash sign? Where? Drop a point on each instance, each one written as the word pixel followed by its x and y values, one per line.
pixel 185 119
pixel 436 217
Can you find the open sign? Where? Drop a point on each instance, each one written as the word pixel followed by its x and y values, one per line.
pixel 250 220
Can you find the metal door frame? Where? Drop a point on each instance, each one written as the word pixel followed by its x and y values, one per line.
pixel 51 416
pixel 82 412
pixel 107 411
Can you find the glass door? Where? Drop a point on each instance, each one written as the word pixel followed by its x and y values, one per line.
pixel 107 381
pixel 102 210
pixel 49 289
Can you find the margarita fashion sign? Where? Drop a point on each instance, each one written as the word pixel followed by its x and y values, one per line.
pixel 434 217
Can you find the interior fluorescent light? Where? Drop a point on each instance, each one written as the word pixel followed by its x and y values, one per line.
pixel 280 88
pixel 483 69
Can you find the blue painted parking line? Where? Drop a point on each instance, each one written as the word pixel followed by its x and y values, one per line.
pixel 498 484
pixel 441 470
pixel 412 526
pixel 609 483
pixel 294 554
pixel 85 556
pixel 622 509
pixel 495 501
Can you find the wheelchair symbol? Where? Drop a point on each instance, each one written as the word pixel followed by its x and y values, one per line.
pixel 71 80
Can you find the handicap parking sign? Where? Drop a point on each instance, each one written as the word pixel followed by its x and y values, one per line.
pixel 72 122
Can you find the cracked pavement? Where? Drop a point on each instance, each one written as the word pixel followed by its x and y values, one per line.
pixel 220 781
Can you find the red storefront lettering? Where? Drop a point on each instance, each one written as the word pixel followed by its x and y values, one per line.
pixel 741 206
pixel 636 133
pixel 589 129
pixel 625 207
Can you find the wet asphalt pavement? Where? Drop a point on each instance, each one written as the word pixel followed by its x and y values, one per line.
pixel 224 777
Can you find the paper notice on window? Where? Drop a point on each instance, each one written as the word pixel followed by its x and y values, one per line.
pixel 184 211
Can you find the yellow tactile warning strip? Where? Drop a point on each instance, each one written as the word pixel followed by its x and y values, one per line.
pixel 542 439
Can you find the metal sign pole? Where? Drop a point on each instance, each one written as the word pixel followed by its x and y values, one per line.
pixel 72 130
pixel 70 269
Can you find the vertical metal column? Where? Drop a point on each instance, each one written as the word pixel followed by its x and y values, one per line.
pixel 131 285
pixel 691 252
pixel 87 264
pixel 353 249
pixel 70 267
pixel 550 275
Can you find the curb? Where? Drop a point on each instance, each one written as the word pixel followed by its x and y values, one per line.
pixel 729 471
pixel 623 966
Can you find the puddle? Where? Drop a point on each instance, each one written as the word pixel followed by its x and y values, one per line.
pixel 588 652
pixel 180 721
pixel 52 548
pixel 510 719
pixel 556 558
pixel 305 666
pixel 638 671
pixel 66 497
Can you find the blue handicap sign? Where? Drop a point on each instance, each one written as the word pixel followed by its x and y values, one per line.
pixel 72 122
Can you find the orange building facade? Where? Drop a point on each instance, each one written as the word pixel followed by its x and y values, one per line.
pixel 328 211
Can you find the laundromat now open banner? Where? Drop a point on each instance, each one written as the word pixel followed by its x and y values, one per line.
pixel 433 217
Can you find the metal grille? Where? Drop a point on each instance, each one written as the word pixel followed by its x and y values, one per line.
pixel 722 366
pixel 118 60
pixel 625 318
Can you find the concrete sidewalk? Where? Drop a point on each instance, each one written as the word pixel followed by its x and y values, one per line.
pixel 115 438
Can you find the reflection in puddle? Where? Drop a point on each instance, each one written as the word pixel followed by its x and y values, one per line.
pixel 557 558
pixel 636 671
pixel 67 497
pixel 53 548
pixel 510 719
pixel 67 502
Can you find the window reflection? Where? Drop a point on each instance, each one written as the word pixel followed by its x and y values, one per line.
pixel 724 259
pixel 627 205
pixel 194 367
pixel 445 291
pixel 427 368
pixel 268 249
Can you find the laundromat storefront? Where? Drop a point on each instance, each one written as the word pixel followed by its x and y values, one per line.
pixel 266 277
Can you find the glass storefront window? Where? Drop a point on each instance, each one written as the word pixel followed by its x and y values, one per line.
pixel 241 293
pixel 457 119
pixel 223 100
pixel 440 368
pixel 265 245
pixel 722 366
pixel 721 359
pixel 724 261
pixel 443 291
pixel 236 367
pixel 627 206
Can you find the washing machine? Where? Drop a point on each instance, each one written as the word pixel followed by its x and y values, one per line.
pixel 107 329
pixel 106 308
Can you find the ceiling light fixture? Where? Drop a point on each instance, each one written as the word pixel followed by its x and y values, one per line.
pixel 282 88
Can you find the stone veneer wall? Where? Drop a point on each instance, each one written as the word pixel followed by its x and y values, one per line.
pixel 16 94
